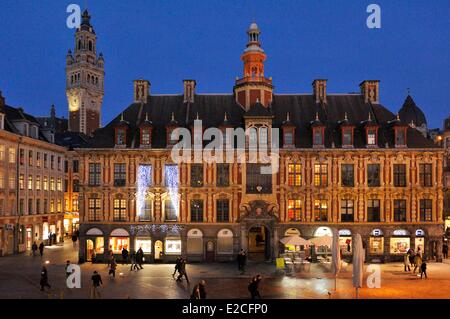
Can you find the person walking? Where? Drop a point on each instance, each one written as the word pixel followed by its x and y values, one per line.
pixel 44 279
pixel 74 240
pixel 112 269
pixel 96 282
pixel 140 257
pixel 411 257
pixel 445 250
pixel 41 249
pixel 125 255
pixel 406 262
pixel 177 266
pixel 110 257
pixel 66 268
pixel 34 249
pixel 133 261
pixel 423 269
pixel 417 262
pixel 182 271
pixel 199 291
pixel 243 260
pixel 253 287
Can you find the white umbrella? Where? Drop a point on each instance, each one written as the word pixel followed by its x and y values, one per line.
pixel 358 263
pixel 336 257
pixel 295 240
pixel 322 241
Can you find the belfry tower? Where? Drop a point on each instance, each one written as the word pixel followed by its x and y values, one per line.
pixel 253 86
pixel 84 80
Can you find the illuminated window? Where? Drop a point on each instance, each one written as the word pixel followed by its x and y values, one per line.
pixel 59 206
pixel 145 137
pixel 373 210
pixel 170 211
pixel 173 246
pixel 30 182
pixel 75 207
pixel 38 183
pixel 145 244
pixel 294 210
pixel 347 210
pixel 21 181
pixel 320 175
pixel 12 155
pixel 52 184
pixel 295 175
pixel 12 182
pixel 52 206
pixel 30 158
pixel 120 214
pixel 2 180
pixel 45 184
pixel 146 212
pixel 94 209
pixel 320 210
pixel 2 152
pixel 38 159
pixel 372 136
pixel 425 175
pixel 59 184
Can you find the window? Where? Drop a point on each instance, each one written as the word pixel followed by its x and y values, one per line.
pixel 45 184
pixel 38 206
pixel 52 161
pixel 30 183
pixel 21 181
pixel 146 210
pixel 425 175
pixel 171 173
pixel 253 138
pixel 21 206
pixel 30 158
pixel 317 136
pixel 196 210
pixel 294 210
pixel 75 185
pixel 145 137
pixel 12 155
pixel 2 152
pixel 22 157
pixel 119 210
pixel 373 210
pixel 225 242
pixel 59 184
pixel 320 210
pixel 347 175
pixel 66 186
pixel 373 175
pixel 120 136
pixel 38 159
pixel 371 136
pixel 94 209
pixel 52 183
pixel 45 206
pixel 258 183
pixel 426 210
pixel 12 181
pixel 66 166
pixel 94 174
pixel 30 206
pixel 119 174
pixel 75 207
pixel 170 211
pixel 288 138
pixel 38 183
pixel 223 210
pixel 52 206
pixel 2 180
pixel 196 175
pixel 75 166
pixel 223 175
pixel 400 137
pixel 347 137
pixel 263 137
pixel 347 210
pixel 59 206
pixel 295 175
pixel 320 175
pixel 45 160
pixel 400 210
pixel 399 175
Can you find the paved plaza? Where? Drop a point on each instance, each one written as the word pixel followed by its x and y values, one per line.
pixel 19 278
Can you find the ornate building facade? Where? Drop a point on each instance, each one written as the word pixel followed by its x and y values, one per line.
pixel 346 163
pixel 85 80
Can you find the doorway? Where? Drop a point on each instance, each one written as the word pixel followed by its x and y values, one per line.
pixel 89 249
pixel 158 250
pixel 210 251
pixel 259 243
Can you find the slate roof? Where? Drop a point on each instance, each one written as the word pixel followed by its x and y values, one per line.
pixel 301 107
pixel 410 112
pixel 71 140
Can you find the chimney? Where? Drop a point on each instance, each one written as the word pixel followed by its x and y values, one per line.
pixel 320 90
pixel 189 90
pixel 141 91
pixel 370 91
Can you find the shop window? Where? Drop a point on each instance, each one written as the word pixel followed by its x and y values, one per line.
pixel 347 210
pixel 399 175
pixel 294 210
pixel 425 175
pixel 223 210
pixel 173 246
pixel 223 175
pixel 376 245
pixel 116 244
pixel 292 232
pixel 295 175
pixel 225 242
pixel 195 242
pixel 99 245
pixel 323 231
pixel 196 175
pixel 399 245
pixel 320 210
pixel 196 210
pixel 373 175
pixel 426 210
pixel 144 243
pixel 373 210
pixel 400 210
pixel 345 244
pixel 320 175
pixel 347 175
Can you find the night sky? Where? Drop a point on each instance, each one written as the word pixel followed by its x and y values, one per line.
pixel 167 41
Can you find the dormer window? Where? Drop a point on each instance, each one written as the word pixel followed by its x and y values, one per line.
pixel 2 121
pixel 121 132
pixel 288 138
pixel 400 136
pixel 318 139
pixel 371 136
pixel 145 136
pixel 347 136
pixel 288 132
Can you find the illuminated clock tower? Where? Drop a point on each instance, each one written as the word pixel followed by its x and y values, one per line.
pixel 84 80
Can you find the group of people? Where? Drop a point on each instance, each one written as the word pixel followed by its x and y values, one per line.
pixel 414 260
pixel 180 266
pixel 35 247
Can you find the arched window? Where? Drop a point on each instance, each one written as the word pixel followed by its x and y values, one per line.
pixel 225 242
pixel 90 45
pixel 323 231
pixel 79 44
pixel 292 232
pixel 195 242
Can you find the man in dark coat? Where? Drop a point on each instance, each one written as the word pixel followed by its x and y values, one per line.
pixel 140 258
pixel 34 249
pixel 125 255
pixel 253 287
pixel 199 291
pixel 182 271
pixel 41 249
pixel 445 250
pixel 96 282
pixel 177 266
pixel 44 279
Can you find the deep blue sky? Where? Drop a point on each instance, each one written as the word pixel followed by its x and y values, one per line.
pixel 166 41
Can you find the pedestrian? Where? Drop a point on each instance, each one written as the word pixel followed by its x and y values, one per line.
pixel 177 265
pixel 67 269
pixel 417 262
pixel 133 261
pixel 182 271
pixel 96 282
pixel 253 287
pixel 243 260
pixel 445 250
pixel 406 262
pixel 239 260
pixel 423 269
pixel 50 239
pixel 55 241
pixel 34 249
pixel 125 255
pixel 41 249
pixel 140 257
pixel 44 279
pixel 110 257
pixel 199 291
pixel 112 269
pixel 411 257
pixel 74 240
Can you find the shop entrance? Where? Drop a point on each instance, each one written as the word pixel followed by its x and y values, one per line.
pixel 89 249
pixel 210 251
pixel 158 250
pixel 259 243
pixel 29 238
